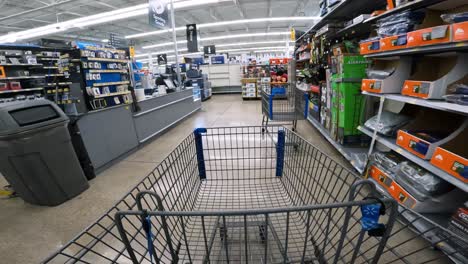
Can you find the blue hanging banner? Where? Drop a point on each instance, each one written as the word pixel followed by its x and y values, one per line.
pixel 217 60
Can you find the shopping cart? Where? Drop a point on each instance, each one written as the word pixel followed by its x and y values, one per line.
pixel 240 195
pixel 284 104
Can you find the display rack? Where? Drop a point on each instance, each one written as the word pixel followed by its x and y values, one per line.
pixel 251 80
pixel 105 77
pixel 58 83
pixel 20 75
pixel 446 157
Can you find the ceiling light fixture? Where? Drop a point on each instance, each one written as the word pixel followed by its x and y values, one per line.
pixel 262 34
pixel 159 52
pixel 258 48
pixel 225 23
pixel 254 43
pixel 96 19
pixel 220 46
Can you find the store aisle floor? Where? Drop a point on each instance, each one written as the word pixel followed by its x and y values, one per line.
pixel 30 233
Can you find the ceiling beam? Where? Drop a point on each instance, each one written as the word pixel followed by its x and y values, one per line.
pixel 300 7
pixel 270 13
pixel 241 12
pixel 36 9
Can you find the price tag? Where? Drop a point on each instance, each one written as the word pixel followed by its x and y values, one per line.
pixel 399 150
pixel 414 101
pixel 461 44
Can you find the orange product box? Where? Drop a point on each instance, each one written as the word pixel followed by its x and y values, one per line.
pixel 460 31
pixel 393 189
pixel 370 47
pixel 429 36
pixel 416 88
pixel 450 162
pixel 371 85
pixel 393 42
pixel 413 144
pixel 402 196
pixel 380 176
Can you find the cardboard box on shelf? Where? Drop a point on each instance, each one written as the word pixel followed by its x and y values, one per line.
pixel 442 203
pixel 351 66
pixel 351 107
pixel 429 129
pixel 452 157
pixel 370 47
pixel 400 71
pixel 393 42
pixel 460 31
pixel 432 75
pixel 430 36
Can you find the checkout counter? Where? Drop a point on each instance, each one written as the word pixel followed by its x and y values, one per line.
pixel 112 133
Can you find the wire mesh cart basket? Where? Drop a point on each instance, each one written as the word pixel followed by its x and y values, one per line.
pixel 240 195
pixel 284 103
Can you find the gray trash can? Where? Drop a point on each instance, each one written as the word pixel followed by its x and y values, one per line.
pixel 36 154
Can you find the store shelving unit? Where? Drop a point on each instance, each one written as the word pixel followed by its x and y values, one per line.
pixel 428 226
pixel 391 144
pixel 439 105
pixel 441 48
pixel 21 76
pixel 343 10
pixel 345 151
pixel 251 80
pixel 413 5
pixel 20 64
pixel 104 76
pixel 22 90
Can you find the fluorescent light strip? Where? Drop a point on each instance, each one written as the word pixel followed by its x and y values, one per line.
pixel 173 56
pixel 263 34
pixel 160 52
pixel 252 43
pixel 220 46
pixel 96 19
pixel 258 48
pixel 225 23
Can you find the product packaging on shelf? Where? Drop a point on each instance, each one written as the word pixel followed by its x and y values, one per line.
pixel 452 157
pixel 389 123
pixel 412 186
pixel 387 76
pixel 460 31
pixel 432 76
pixel 430 36
pixel 429 129
pixel 393 42
pixel 369 46
pixel 399 23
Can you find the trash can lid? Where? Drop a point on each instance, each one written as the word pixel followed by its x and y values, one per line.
pixel 21 116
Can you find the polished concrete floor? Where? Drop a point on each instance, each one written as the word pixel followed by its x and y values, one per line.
pixel 29 233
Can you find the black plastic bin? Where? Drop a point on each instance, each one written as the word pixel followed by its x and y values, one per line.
pixel 36 154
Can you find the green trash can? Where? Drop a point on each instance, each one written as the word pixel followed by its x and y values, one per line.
pixel 36 153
